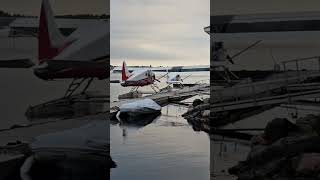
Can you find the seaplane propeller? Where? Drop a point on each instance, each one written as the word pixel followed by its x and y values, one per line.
pixel 186 77
pixel 230 58
pixel 166 74
pixel 157 80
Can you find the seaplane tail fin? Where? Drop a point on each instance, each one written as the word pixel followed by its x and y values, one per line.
pixel 50 40
pixel 125 72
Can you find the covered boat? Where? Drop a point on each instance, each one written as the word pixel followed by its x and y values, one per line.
pixel 84 148
pixel 139 111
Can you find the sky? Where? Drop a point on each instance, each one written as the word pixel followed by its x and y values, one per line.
pixel 31 7
pixel 143 32
pixel 160 32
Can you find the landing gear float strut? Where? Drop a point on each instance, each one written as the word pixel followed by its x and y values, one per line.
pixel 76 83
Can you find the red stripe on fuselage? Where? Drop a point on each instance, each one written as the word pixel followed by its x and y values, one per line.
pixel 45 49
pixel 123 72
pixel 142 82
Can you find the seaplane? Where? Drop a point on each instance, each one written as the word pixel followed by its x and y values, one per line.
pixel 273 35
pixel 176 80
pixel 138 78
pixel 81 56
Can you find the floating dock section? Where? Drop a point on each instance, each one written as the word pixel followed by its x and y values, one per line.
pixel 69 107
pixel 165 98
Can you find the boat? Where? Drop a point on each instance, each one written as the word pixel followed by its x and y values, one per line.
pixel 83 149
pixel 139 111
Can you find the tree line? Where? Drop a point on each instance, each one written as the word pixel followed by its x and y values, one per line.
pixel 71 16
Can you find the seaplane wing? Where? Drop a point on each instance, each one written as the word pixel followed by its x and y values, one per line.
pixel 264 37
pixel 16 63
pixel 273 29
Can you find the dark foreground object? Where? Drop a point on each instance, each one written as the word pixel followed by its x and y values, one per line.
pixel 283 151
pixel 58 171
pixel 138 119
pixel 79 171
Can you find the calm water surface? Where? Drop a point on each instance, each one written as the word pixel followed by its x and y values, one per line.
pixel 167 148
pixel 21 89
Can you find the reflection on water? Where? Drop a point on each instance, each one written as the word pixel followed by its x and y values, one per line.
pixel 138 120
pixel 166 148
pixel 225 152
pixel 21 89
pixel 54 173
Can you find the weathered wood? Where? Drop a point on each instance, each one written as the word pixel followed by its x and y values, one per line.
pixel 164 98
pixel 68 107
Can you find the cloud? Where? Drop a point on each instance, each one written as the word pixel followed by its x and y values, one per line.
pixel 160 31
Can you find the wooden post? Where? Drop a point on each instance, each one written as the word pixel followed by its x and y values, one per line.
pixel 319 62
pixel 298 71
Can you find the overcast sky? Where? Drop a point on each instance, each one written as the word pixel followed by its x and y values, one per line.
pixel 160 32
pixel 143 32
pixel 31 7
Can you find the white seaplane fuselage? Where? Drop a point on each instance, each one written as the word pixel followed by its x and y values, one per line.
pixel 140 78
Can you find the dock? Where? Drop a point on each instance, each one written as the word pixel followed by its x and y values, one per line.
pixel 248 97
pixel 271 100
pixel 165 98
pixel 77 105
pixel 284 87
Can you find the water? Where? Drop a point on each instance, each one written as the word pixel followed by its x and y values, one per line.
pixel 21 89
pixel 167 148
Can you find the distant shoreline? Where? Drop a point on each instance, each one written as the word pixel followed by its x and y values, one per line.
pixel 68 16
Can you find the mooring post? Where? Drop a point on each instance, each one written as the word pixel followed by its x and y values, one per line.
pixel 298 71
pixel 286 75
pixel 319 62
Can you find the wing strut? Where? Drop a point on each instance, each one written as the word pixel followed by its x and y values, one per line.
pixel 76 83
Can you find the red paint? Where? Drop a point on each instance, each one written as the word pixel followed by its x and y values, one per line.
pixel 142 82
pixel 46 52
pixel 123 72
pixel 45 49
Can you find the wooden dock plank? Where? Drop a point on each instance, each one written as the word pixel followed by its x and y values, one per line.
pixel 164 98
pixel 271 100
